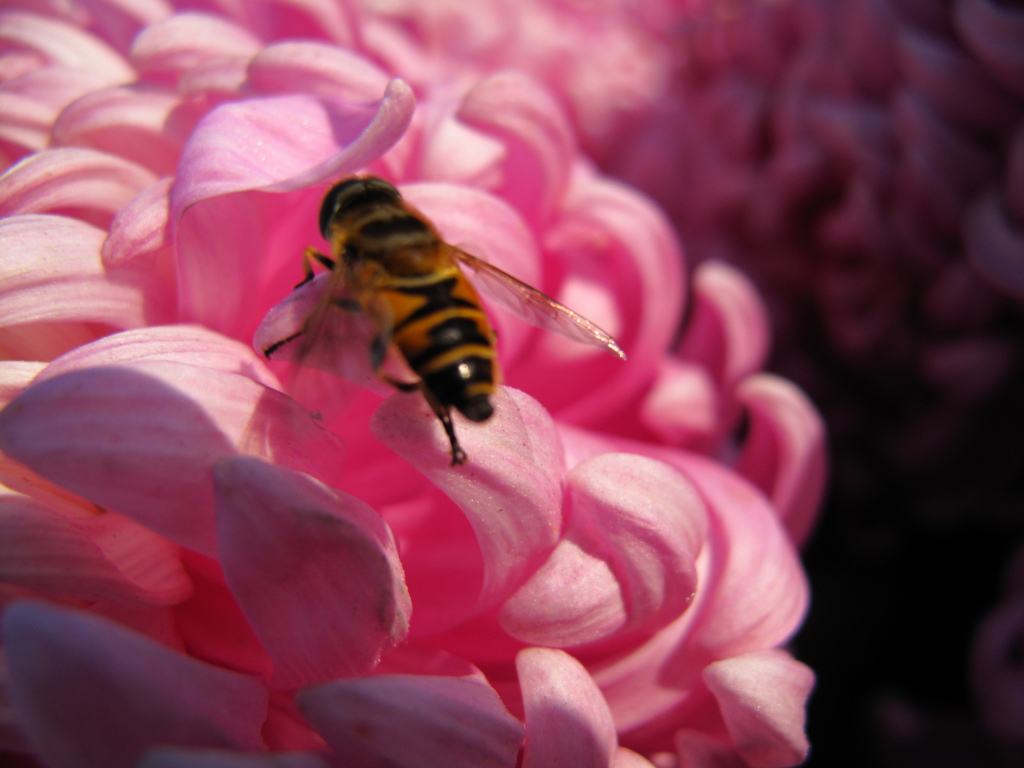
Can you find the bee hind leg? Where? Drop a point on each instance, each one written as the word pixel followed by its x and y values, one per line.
pixel 308 257
pixel 443 414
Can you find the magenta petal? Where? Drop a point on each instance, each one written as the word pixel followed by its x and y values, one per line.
pixel 644 521
pixel 627 758
pixel 52 271
pixel 540 140
pixel 763 699
pixel 426 721
pixel 96 557
pixel 209 758
pixel 271 144
pixel 510 489
pixel 141 437
pixel 63 663
pixel 784 453
pixel 62 43
pixel 315 571
pixel 567 718
pixel 71 179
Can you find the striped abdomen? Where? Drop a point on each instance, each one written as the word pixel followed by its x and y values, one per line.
pixel 446 338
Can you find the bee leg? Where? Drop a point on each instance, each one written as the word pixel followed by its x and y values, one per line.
pixel 308 257
pixel 443 414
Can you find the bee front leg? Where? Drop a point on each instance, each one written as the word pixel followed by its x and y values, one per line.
pixel 308 257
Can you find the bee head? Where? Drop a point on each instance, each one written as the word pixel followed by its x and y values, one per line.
pixel 352 193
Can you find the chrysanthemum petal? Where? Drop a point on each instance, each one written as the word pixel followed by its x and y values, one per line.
pixel 62 43
pixel 995 245
pixel 315 571
pixel 119 21
pixel 187 41
pixel 647 523
pixel 697 749
pixel 133 123
pixel 784 452
pixel 510 489
pixel 97 557
pixel 762 697
pixel 567 718
pixel 15 375
pixel 627 758
pixel 432 722
pixel 71 179
pixel 271 144
pixel 140 238
pixel 318 68
pixel 52 272
pixel 140 437
pixel 62 663
pixel 727 332
pixel 30 103
pixel 208 758
pixel 992 32
pixel 537 135
pixel 682 406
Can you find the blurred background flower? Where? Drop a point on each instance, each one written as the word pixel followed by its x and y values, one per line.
pixel 235 559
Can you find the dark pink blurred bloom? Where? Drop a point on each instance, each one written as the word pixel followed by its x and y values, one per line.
pixel 863 161
pixel 254 568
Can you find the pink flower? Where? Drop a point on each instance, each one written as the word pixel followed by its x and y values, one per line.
pixel 234 559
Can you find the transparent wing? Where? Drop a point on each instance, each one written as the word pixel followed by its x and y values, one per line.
pixel 533 306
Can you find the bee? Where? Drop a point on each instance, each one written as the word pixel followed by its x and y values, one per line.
pixel 390 264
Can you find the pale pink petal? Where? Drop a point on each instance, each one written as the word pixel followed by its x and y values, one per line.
pixel 995 245
pixel 138 234
pixel 727 332
pixel 537 135
pixel 301 66
pixel 487 227
pixel 510 489
pixel 70 179
pixel 140 437
pixel 52 272
pixel 14 377
pixel 94 557
pixel 696 749
pixel 430 722
pixel 567 719
pixel 64 44
pixel 682 406
pixel 315 571
pixel 784 452
pixel 208 758
pixel 992 32
pixel 187 41
pixel 30 103
pixel 132 123
pixel 281 19
pixel 763 700
pixel 273 144
pixel 647 523
pixel 62 663
pixel 119 21
pixel 627 758
pixel 440 147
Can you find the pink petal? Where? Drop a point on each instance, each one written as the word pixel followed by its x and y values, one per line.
pixel 728 328
pixel 682 406
pixel 304 66
pixel 763 700
pixel 510 489
pixel 69 179
pixel 281 19
pixel 429 722
pixel 132 123
pixel 641 518
pixel 31 102
pixel 139 230
pixel 52 272
pixel 63 662
pixel 315 571
pixel 627 758
pixel 140 437
pixel 119 21
pixel 995 245
pixel 538 137
pixel 64 44
pixel 188 41
pixel 15 376
pixel 696 749
pixel 784 452
pixel 207 758
pixel 96 557
pixel 272 144
pixel 567 719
